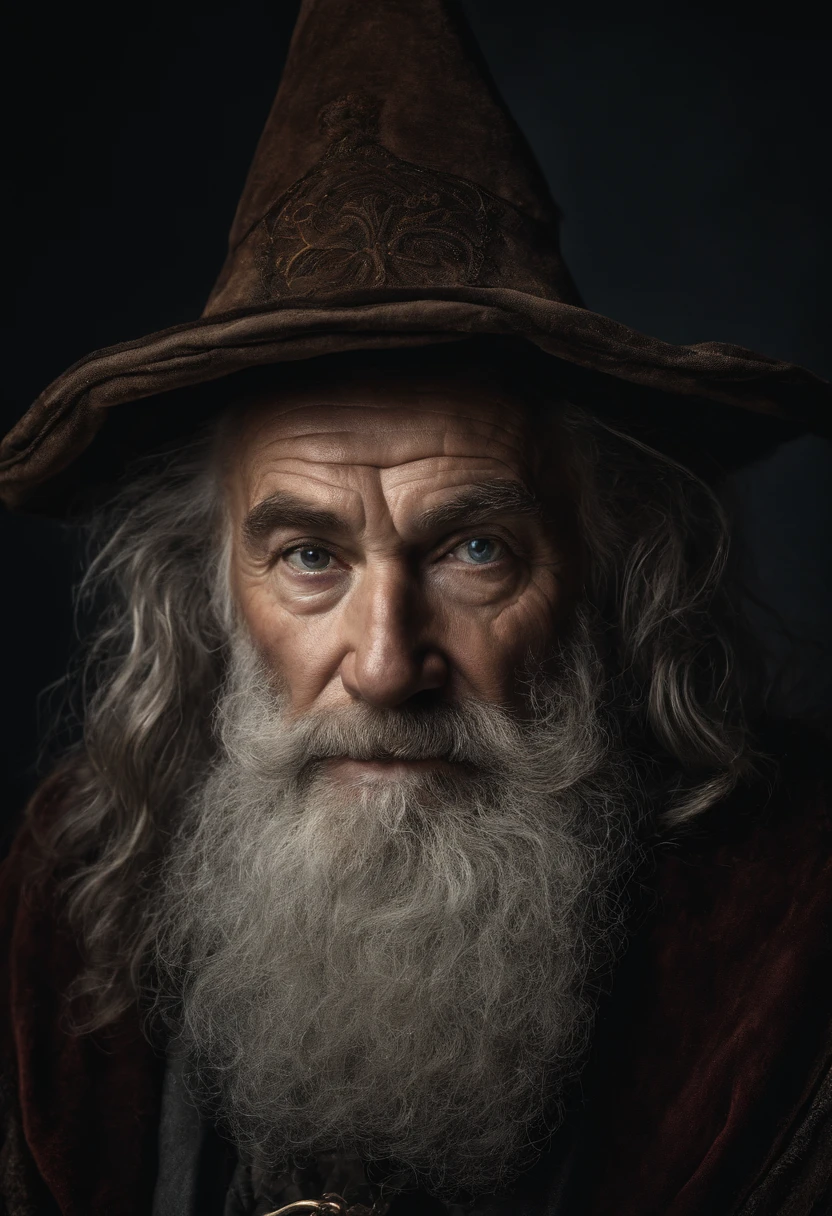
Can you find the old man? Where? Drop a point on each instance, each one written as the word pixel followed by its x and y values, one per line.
pixel 427 850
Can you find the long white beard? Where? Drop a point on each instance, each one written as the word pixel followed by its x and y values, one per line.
pixel 403 968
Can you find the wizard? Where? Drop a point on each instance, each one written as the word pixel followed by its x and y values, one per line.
pixel 428 849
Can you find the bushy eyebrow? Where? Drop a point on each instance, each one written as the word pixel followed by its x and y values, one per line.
pixel 284 510
pixel 475 503
pixel 472 504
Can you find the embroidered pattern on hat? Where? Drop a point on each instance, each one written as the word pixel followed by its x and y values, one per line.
pixel 363 217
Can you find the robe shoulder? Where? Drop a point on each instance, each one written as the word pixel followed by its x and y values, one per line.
pixel 714 1067
pixel 80 1111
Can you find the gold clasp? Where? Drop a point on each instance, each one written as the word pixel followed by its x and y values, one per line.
pixel 327 1205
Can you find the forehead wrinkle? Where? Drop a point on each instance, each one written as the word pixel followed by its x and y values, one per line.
pixel 469 470
pixel 309 479
pixel 489 427
pixel 448 460
pixel 331 437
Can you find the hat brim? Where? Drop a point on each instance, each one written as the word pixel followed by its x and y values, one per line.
pixel 69 415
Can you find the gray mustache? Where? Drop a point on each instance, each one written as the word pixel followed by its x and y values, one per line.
pixel 452 735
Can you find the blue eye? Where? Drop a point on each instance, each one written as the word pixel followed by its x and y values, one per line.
pixel 309 558
pixel 479 551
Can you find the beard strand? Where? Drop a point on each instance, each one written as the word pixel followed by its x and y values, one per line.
pixel 403 969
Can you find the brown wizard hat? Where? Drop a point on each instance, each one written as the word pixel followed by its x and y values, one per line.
pixel 392 201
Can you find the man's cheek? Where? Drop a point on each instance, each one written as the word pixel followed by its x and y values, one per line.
pixel 303 656
pixel 489 653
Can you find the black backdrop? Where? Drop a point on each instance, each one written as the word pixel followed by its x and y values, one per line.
pixel 687 145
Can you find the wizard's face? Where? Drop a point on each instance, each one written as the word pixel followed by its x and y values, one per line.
pixel 397 543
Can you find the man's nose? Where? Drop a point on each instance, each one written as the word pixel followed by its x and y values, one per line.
pixel 389 657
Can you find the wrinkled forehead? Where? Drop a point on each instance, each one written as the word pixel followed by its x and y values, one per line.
pixel 384 422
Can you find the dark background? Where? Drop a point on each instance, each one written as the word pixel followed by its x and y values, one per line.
pixel 687 144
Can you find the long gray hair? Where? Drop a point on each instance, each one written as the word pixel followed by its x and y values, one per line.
pixel 655 558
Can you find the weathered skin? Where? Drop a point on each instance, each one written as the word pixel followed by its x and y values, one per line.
pixel 397 606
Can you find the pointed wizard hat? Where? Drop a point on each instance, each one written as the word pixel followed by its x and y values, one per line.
pixel 392 202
